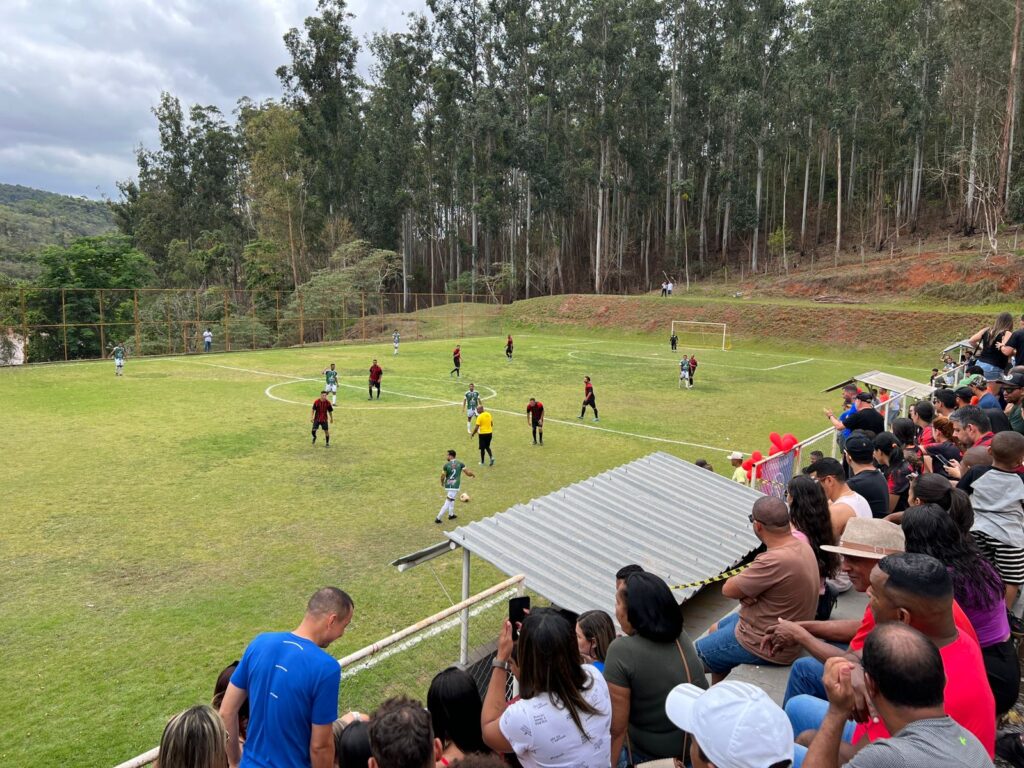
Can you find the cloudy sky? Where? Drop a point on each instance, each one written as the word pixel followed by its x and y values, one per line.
pixel 78 77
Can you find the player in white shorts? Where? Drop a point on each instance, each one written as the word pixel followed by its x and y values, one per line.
pixel 118 354
pixel 395 338
pixel 331 385
pixel 471 400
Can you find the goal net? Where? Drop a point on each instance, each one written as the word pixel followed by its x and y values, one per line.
pixel 701 335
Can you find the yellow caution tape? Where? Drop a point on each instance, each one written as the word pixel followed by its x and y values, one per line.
pixel 704 582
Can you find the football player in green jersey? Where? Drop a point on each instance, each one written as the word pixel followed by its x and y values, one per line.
pixel 471 400
pixel 331 376
pixel 451 480
pixel 118 354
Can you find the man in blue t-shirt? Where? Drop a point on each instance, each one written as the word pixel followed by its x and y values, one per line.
pixel 292 687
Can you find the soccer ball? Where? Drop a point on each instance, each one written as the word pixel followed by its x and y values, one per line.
pixel 464 497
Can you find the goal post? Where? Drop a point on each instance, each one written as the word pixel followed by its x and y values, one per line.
pixel 692 333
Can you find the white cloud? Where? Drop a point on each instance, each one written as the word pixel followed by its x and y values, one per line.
pixel 78 78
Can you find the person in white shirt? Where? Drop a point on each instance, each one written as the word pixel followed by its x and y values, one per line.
pixel 563 716
pixel 207 340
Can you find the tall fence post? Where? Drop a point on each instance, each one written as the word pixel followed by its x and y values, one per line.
pixel 64 322
pixel 24 325
pixel 302 322
pixel 462 315
pixel 277 314
pixel 252 316
pixel 167 313
pixel 362 314
pixel 135 307
pixel 103 331
pixel 227 325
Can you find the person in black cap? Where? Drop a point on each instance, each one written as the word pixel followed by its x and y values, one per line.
pixel 1013 394
pixel 865 478
pixel 866 417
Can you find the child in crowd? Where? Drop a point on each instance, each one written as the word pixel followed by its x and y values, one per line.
pixel 997 495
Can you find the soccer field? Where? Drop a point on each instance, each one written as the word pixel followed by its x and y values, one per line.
pixel 154 523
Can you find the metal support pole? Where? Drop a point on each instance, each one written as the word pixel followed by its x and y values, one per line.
pixel 362 314
pixel 302 322
pixel 64 321
pixel 24 326
pixel 277 314
pixel 103 332
pixel 462 315
pixel 252 313
pixel 227 332
pixel 464 639
pixel 135 304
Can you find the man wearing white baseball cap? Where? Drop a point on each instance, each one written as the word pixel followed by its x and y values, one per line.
pixel 739 474
pixel 733 725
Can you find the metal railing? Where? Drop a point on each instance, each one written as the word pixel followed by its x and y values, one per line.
pixel 771 475
pixel 371 655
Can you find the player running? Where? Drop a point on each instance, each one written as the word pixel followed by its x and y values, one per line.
pixel 451 480
pixel 395 338
pixel 508 348
pixel 588 398
pixel 323 412
pixel 485 426
pixel 331 385
pixel 375 373
pixel 535 418
pixel 118 353
pixel 457 361
pixel 470 401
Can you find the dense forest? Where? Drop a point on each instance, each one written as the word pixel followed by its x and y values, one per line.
pixel 533 146
pixel 31 220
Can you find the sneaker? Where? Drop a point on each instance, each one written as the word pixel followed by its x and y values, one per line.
pixel 579 417
pixel 369 398
pixel 492 462
pixel 534 442
pixel 481 463
pixel 437 520
pixel 596 419
pixel 452 517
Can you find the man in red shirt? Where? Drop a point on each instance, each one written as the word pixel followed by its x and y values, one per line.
pixel 323 412
pixel 375 373
pixel 971 427
pixel 588 398
pixel 916 589
pixel 456 361
pixel 535 418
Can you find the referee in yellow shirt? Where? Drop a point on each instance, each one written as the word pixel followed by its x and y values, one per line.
pixel 485 426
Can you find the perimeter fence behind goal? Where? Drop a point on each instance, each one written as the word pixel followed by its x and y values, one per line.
pixel 44 324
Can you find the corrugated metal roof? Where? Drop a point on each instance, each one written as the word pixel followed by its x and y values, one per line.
pixel 677 520
pixel 897 384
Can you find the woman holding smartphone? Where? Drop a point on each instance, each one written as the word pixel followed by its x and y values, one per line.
pixel 939 454
pixel 564 714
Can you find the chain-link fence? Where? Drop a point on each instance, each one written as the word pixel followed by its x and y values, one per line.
pixel 43 324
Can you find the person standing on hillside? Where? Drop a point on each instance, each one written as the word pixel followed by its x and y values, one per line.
pixel 375 374
pixel 291 684
pixel 588 398
pixel 535 418
pixel 470 401
pixel 323 412
pixel 331 383
pixel 395 338
pixel 451 481
pixel 118 353
pixel 456 361
pixel 485 426
pixel 508 348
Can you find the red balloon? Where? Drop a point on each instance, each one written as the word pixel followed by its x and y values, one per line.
pixel 788 442
pixel 774 438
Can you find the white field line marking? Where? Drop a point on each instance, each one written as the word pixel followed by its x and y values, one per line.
pixel 575 355
pixel 495 410
pixel 294 379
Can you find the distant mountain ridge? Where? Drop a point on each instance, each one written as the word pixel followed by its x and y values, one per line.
pixel 31 219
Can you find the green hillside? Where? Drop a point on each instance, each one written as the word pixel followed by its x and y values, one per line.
pixel 31 219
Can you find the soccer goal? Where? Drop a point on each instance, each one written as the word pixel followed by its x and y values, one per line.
pixel 696 334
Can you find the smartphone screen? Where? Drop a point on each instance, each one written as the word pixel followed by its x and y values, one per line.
pixel 517 607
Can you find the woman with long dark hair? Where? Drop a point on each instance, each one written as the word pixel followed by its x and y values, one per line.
pixel 563 714
pixel 943 450
pixel 891 460
pixel 641 668
pixel 809 515
pixel 454 705
pixel 595 631
pixel 930 530
pixel 988 345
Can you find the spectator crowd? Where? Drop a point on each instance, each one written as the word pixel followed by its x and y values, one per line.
pixel 926 518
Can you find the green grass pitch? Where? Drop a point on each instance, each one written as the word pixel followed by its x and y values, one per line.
pixel 152 524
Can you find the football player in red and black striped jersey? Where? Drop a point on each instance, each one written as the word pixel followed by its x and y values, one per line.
pixel 323 413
